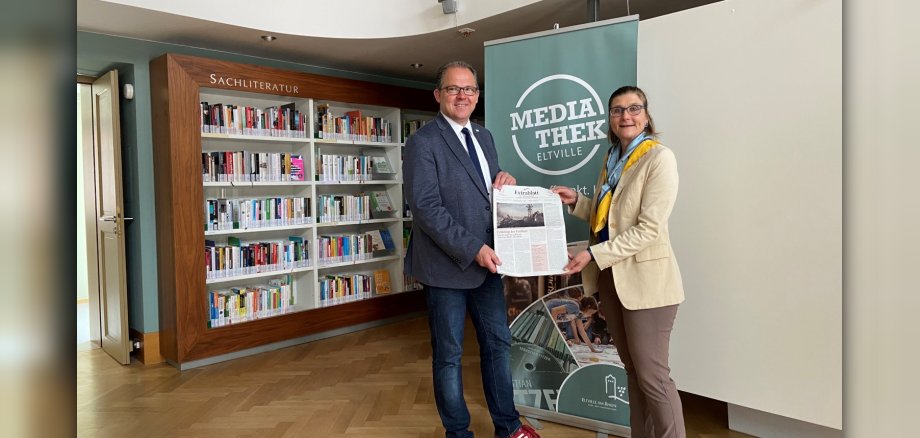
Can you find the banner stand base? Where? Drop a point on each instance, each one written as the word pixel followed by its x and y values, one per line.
pixel 534 423
pixel 600 427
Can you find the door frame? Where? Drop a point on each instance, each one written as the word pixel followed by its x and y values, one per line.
pixel 87 151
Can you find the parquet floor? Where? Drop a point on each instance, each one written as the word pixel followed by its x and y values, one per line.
pixel 375 383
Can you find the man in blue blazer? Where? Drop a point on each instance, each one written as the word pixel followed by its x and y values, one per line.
pixel 449 171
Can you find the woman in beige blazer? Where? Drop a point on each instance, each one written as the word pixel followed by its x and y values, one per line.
pixel 630 261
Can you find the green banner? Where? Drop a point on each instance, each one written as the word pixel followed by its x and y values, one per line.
pixel 546 102
pixel 546 105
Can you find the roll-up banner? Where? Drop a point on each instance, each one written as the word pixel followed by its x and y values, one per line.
pixel 546 105
pixel 546 102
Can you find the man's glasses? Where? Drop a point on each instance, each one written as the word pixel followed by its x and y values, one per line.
pixel 633 110
pixel 454 90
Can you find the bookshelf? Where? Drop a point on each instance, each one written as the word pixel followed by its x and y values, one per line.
pixel 412 120
pixel 252 252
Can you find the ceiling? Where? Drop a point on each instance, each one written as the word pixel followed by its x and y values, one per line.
pixel 380 56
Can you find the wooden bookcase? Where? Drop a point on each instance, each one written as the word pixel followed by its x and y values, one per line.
pixel 178 86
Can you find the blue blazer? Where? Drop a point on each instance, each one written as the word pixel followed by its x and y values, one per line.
pixel 451 209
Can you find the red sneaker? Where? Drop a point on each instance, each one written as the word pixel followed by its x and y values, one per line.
pixel 524 431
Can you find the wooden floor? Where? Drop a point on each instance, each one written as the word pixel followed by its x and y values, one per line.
pixel 375 383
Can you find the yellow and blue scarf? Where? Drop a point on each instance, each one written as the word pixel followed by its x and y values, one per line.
pixel 614 168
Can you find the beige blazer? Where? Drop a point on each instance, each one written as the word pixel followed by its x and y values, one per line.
pixel 644 270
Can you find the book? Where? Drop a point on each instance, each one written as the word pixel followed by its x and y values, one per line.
pixel 297 170
pixel 381 240
pixel 297 254
pixel 382 281
pixel 381 205
pixel 322 122
pixel 353 126
pixel 286 166
pixel 376 241
pixel 381 165
pixel 387 240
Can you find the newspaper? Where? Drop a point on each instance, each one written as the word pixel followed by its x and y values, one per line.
pixel 529 231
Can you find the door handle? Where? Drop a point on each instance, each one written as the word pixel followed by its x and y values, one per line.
pixel 109 218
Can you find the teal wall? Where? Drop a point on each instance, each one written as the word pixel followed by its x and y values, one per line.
pixel 97 54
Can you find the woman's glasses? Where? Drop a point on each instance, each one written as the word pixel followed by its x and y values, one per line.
pixel 633 110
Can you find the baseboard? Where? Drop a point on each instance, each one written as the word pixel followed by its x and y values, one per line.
pixel 149 353
pixel 767 425
pixel 291 342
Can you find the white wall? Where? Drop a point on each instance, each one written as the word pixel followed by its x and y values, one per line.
pixel 882 68
pixel 748 94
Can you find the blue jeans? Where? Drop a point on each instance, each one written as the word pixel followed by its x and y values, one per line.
pixel 447 309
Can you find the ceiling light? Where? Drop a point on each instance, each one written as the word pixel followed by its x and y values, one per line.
pixel 466 31
pixel 269 38
pixel 416 65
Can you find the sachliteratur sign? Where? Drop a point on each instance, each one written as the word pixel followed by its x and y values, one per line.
pixel 546 102
pixel 546 105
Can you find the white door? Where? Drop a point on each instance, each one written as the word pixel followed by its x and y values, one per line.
pixel 110 221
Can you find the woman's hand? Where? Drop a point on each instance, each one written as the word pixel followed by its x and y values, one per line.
pixel 578 262
pixel 568 195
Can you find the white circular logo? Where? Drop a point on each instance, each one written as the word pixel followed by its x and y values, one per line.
pixel 565 135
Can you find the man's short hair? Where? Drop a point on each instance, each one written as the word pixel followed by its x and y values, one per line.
pixel 452 64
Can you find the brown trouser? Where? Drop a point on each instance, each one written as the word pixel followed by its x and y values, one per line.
pixel 642 338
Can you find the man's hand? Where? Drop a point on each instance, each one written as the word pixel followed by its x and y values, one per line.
pixel 578 262
pixel 567 194
pixel 488 259
pixel 503 178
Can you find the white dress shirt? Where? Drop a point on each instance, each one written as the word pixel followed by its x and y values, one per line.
pixel 482 157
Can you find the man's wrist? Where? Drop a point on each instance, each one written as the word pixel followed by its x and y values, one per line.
pixel 591 253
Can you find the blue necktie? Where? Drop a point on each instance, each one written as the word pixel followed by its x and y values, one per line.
pixel 471 148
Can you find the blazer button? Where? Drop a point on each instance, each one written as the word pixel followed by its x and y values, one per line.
pixel 488 208
pixel 489 230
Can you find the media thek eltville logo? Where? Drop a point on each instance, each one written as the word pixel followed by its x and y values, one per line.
pixel 558 137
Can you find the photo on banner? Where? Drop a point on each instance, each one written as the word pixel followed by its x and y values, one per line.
pixel 546 106
pixel 562 356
